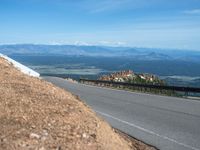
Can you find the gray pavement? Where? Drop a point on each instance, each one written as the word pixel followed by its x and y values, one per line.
pixel 168 123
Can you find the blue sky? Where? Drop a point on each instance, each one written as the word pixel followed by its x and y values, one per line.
pixel 137 23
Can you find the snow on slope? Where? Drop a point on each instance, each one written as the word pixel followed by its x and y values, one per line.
pixel 21 67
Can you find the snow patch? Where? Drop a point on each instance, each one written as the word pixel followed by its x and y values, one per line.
pixel 21 67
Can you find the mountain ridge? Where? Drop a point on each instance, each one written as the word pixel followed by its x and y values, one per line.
pixel 100 51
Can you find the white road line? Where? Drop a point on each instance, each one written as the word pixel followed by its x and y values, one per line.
pixel 148 131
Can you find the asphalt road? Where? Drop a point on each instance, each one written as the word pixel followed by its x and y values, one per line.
pixel 165 122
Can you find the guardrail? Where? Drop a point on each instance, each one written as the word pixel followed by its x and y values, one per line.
pixel 159 87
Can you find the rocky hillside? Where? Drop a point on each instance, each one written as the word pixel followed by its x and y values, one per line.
pixel 131 77
pixel 35 114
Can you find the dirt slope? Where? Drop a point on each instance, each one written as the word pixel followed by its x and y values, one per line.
pixel 35 114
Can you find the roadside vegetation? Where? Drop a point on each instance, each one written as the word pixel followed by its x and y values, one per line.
pixel 128 76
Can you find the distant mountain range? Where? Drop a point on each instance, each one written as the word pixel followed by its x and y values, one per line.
pixel 182 81
pixel 103 51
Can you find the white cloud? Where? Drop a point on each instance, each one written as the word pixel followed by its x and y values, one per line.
pixel 193 12
pixel 81 43
pixel 111 43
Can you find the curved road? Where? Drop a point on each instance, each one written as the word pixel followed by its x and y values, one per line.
pixel 166 122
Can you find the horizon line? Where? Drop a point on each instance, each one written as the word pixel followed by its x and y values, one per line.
pixel 100 45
